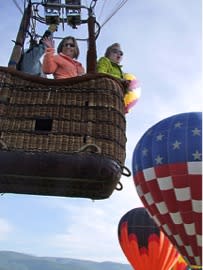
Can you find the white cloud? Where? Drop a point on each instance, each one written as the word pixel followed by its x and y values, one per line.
pixel 5 228
pixel 90 228
pixel 92 234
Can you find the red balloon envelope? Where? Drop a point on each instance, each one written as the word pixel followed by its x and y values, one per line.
pixel 167 170
pixel 180 265
pixel 144 245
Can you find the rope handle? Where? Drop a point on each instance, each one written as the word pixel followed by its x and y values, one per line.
pixel 3 144
pixel 90 147
pixel 119 186
pixel 127 173
pixel 123 169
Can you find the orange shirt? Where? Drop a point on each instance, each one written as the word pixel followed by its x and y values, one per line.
pixel 61 65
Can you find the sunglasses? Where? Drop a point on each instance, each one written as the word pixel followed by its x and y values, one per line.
pixel 117 51
pixel 69 45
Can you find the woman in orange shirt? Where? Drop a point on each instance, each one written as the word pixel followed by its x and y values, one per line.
pixel 63 64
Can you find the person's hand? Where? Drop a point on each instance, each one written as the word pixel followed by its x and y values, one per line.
pixel 48 42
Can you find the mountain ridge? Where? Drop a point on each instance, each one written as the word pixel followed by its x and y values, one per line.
pixel 22 261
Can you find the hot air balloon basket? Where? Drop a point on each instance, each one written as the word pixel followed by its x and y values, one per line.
pixel 44 118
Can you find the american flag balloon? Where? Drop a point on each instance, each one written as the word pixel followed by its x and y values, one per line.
pixel 167 171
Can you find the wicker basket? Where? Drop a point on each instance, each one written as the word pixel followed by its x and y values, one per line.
pixel 62 117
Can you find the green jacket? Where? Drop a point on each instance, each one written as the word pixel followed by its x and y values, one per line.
pixel 104 65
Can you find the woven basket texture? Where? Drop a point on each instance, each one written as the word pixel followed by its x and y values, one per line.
pixel 38 114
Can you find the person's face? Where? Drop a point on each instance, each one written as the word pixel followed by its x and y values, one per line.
pixel 69 48
pixel 116 55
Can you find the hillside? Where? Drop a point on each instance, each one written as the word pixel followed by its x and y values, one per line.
pixel 19 261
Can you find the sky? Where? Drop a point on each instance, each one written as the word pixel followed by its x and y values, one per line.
pixel 161 41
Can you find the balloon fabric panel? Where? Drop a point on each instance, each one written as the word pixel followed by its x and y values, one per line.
pixel 143 244
pixel 180 265
pixel 133 92
pixel 167 174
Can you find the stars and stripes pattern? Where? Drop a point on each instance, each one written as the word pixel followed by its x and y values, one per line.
pixel 167 170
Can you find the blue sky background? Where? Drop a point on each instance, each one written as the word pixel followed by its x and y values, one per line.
pixel 162 43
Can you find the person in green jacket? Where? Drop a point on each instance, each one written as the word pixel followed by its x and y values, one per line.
pixel 110 62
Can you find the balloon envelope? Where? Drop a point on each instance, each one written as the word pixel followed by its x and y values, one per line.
pixel 133 92
pixel 144 245
pixel 167 170
pixel 180 264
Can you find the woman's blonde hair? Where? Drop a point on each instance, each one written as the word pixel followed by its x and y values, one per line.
pixel 61 44
pixel 108 50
